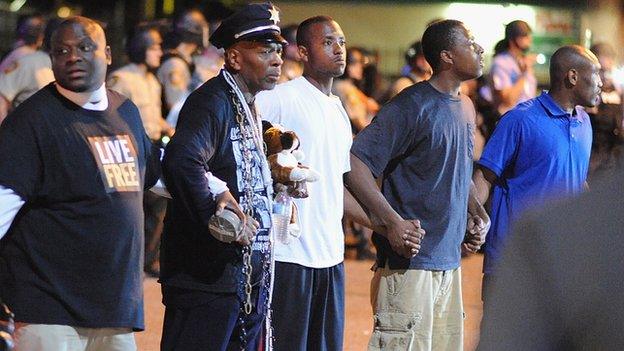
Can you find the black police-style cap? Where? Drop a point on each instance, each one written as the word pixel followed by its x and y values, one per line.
pixel 254 22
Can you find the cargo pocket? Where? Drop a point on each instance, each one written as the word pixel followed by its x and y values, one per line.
pixel 393 331
pixel 394 281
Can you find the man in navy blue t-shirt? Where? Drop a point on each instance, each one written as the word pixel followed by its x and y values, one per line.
pixel 74 160
pixel 540 149
pixel 421 144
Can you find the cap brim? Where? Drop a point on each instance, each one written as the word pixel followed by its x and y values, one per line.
pixel 266 37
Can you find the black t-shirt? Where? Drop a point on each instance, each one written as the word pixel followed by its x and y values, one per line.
pixel 74 252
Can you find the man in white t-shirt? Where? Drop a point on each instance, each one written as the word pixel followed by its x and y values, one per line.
pixel 308 295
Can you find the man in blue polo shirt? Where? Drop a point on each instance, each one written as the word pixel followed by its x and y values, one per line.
pixel 540 150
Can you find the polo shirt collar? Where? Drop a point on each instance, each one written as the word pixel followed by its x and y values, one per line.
pixel 552 108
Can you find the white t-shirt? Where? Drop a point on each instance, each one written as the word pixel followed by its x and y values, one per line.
pixel 323 128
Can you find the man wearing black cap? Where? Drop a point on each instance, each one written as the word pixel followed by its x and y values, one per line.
pixel 216 283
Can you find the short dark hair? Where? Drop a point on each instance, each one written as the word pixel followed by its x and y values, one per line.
pixel 289 32
pixel 439 36
pixel 304 32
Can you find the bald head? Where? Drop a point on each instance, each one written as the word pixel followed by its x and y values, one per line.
pixel 574 71
pixel 79 54
pixel 81 24
pixel 566 58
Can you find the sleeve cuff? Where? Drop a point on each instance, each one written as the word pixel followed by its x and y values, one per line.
pixel 376 172
pixel 491 166
pixel 215 185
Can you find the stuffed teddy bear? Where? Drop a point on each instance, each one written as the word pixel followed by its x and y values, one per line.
pixel 288 174
pixel 285 159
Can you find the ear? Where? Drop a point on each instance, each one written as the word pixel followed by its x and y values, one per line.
pixel 572 77
pixel 446 57
pixel 303 53
pixel 233 59
pixel 109 56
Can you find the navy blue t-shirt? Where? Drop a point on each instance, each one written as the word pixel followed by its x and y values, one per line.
pixel 208 139
pixel 421 143
pixel 539 153
pixel 73 254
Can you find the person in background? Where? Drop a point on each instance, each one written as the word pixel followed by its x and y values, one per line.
pixel 137 82
pixel 209 60
pixel 359 107
pixel 512 79
pixel 373 83
pixel 292 67
pixel 176 73
pixel 29 38
pixel 419 69
pixel 29 74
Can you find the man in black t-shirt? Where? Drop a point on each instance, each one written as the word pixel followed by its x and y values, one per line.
pixel 74 160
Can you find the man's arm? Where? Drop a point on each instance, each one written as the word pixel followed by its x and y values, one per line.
pixel 509 96
pixel 356 212
pixel 186 157
pixel 478 222
pixel 481 185
pixel 478 219
pixel 404 236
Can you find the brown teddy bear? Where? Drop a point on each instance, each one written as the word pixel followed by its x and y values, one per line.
pixel 285 160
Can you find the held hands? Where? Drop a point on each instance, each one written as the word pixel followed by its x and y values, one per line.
pixel 249 226
pixel 405 237
pixel 476 231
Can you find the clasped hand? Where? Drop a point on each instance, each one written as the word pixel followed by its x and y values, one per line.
pixel 405 237
pixel 476 231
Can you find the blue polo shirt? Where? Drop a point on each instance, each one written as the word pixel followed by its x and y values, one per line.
pixel 539 153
